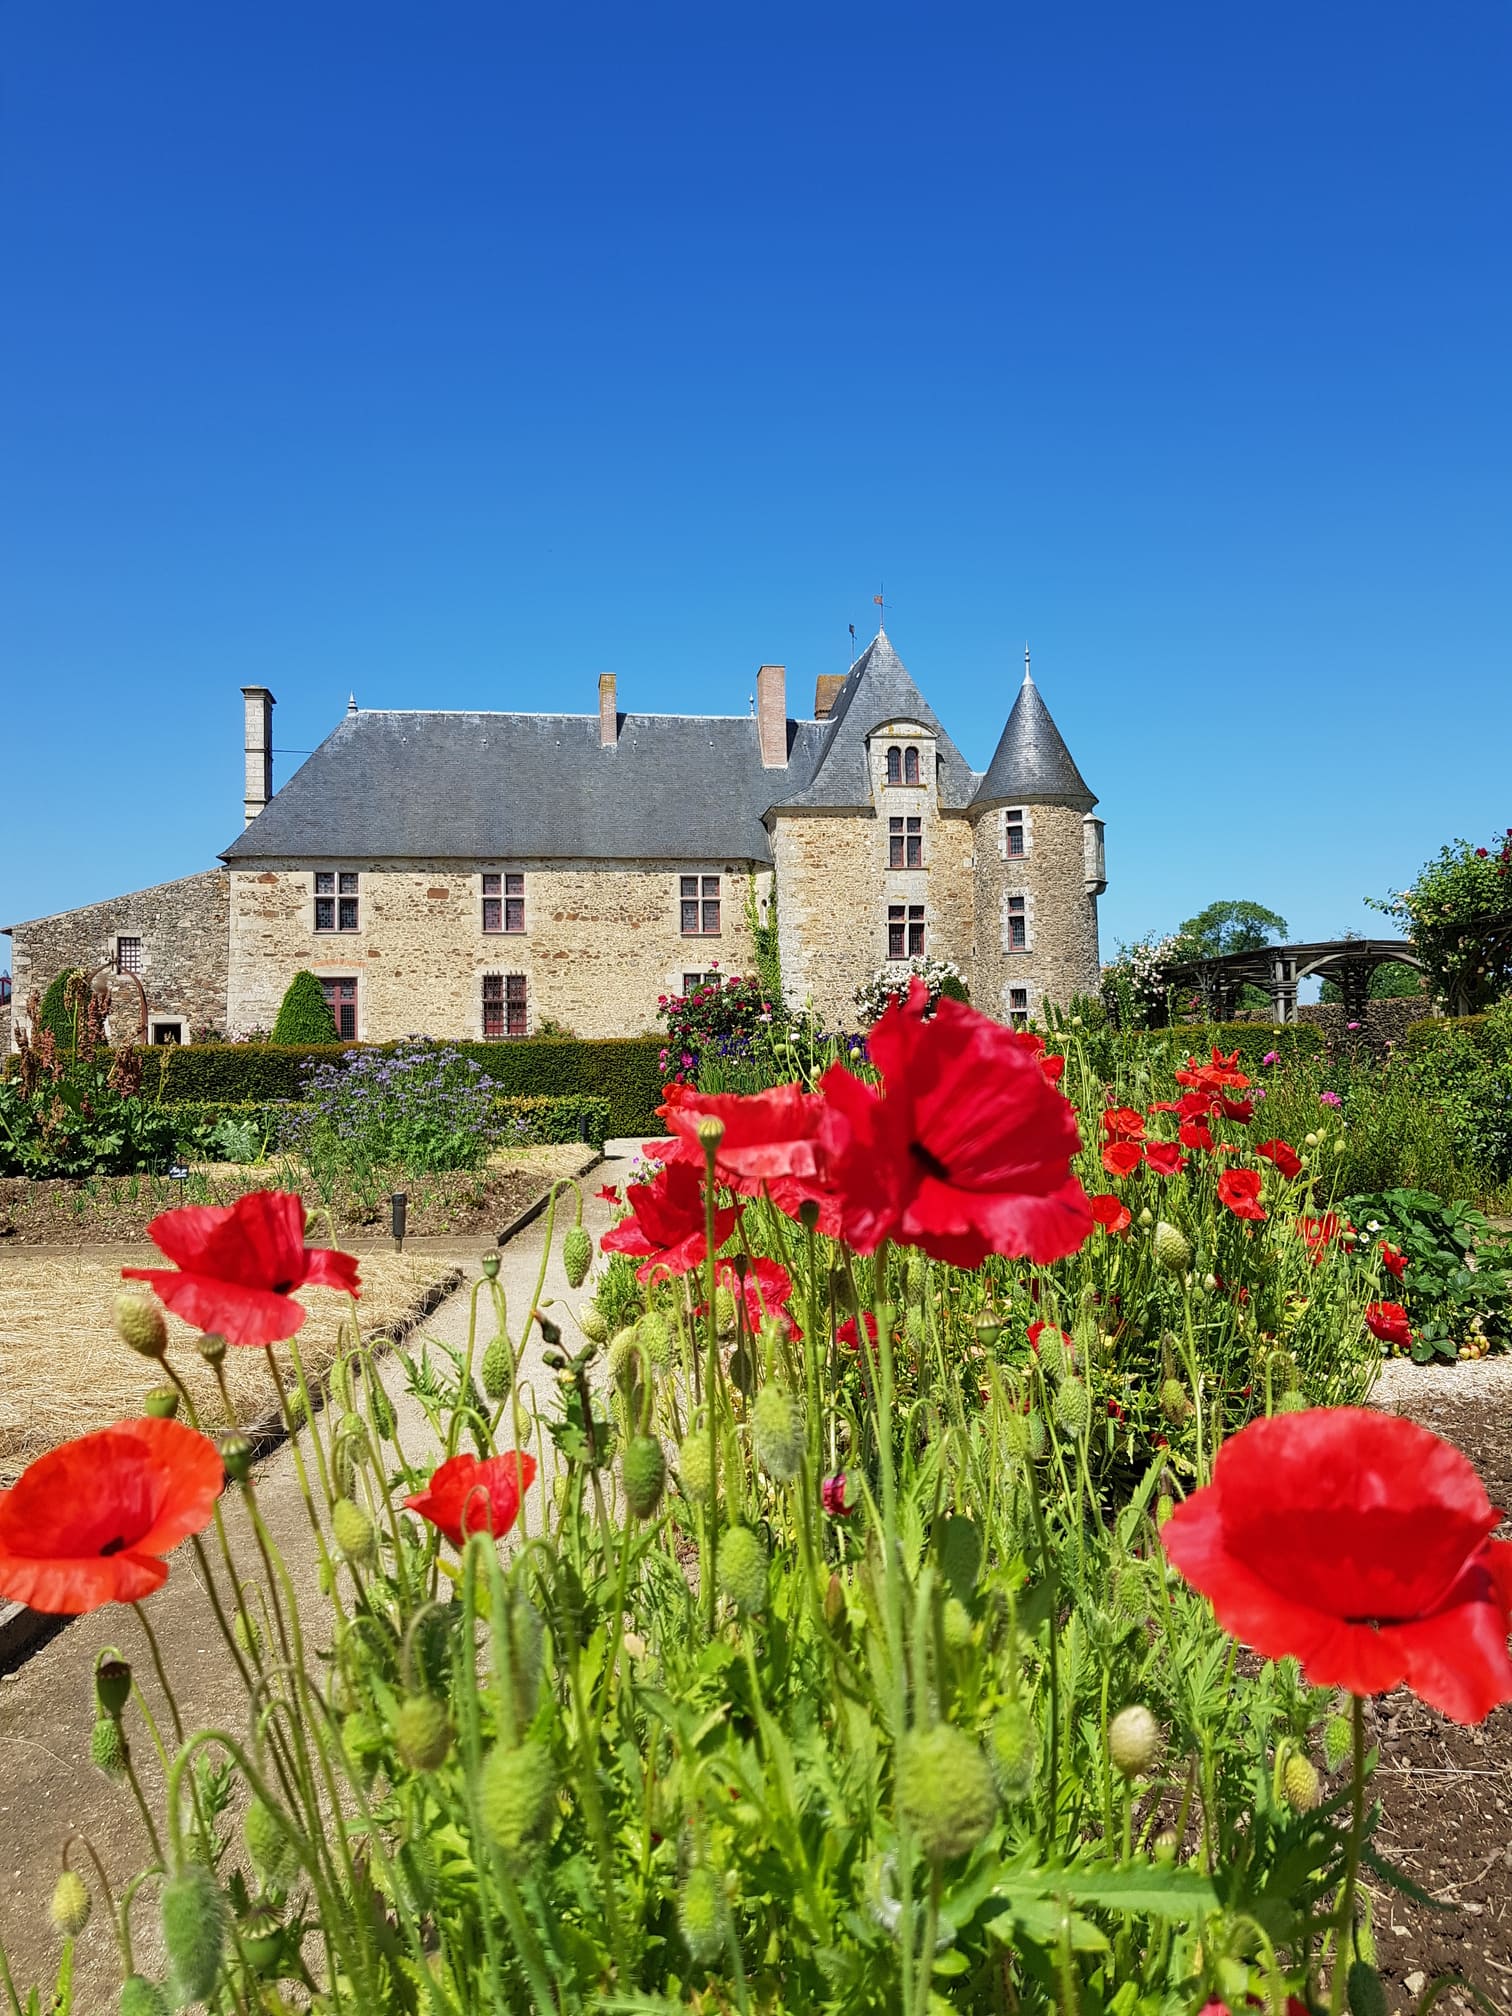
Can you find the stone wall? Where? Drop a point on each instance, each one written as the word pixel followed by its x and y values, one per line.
pixel 602 941
pixel 183 928
pixel 834 886
pixel 1061 958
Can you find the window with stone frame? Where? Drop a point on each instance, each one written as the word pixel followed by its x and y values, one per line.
pixel 128 957
pixel 504 1005
pixel 691 982
pixel 341 998
pixel 698 905
pixel 1018 1006
pixel 905 930
pixel 895 765
pixel 1013 834
pixel 911 765
pixel 1018 924
pixel 905 843
pixel 167 1032
pixel 336 897
pixel 504 903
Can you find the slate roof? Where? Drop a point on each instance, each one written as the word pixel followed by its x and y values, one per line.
pixel 877 690
pixel 1031 761
pixel 424 785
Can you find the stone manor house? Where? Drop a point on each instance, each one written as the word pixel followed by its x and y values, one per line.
pixel 478 875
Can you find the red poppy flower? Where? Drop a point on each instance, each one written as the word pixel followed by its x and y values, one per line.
pixel 239 1265
pixel 1388 1321
pixel 850 1336
pixel 766 1291
pixel 1319 1234
pixel 480 1496
pixel 1283 1155
pixel 1394 1262
pixel 1236 1109
pixel 834 1496
pixel 1123 1123
pixel 1111 1213
pixel 1051 1066
pixel 1192 1104
pixel 85 1524
pixel 1214 1077
pixel 1195 1134
pixel 607 1194
pixel 1165 1158
pixel 1122 1158
pixel 966 1152
pixel 1358 1543
pixel 770 1146
pixel 666 1223
pixel 1239 1189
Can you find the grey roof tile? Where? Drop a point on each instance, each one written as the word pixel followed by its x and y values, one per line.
pixel 1031 761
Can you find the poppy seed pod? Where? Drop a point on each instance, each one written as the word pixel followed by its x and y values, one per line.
pixel 70 1906
pixel 1165 1846
pixel 1301 1785
pixel 1133 1740
pixel 236 1454
pixel 945 1790
pixel 515 1789
pixel 643 1472
pixel 108 1748
pixel 141 1997
pixel 194 1931
pixel 356 1535
pixel 777 1433
pixel 1172 1249
pixel 112 1685
pixel 162 1403
pixel 577 1256
pixel 212 1348
pixel 710 1131
pixel 140 1324
pixel 489 1266
pixel 422 1733
pixel 498 1368
pixel 593 1323
pixel 742 1569
pixel 702 1914
pixel 724 1311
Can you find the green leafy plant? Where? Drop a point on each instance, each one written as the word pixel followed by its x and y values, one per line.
pixel 304 1014
pixel 1457 1285
pixel 1456 915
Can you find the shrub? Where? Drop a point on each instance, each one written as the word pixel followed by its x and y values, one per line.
pixel 728 1019
pixel 57 1011
pixel 538 1116
pixel 304 1014
pixel 1450 913
pixel 942 978
pixel 423 1108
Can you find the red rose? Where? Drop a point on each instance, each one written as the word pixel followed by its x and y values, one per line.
pixel 1122 1158
pixel 1357 1543
pixel 1388 1321
pixel 1111 1213
pixel 1283 1155
pixel 1239 1189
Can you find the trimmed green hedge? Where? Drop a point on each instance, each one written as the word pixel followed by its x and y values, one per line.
pixel 568 1116
pixel 624 1073
pixel 1253 1040
pixel 1434 1029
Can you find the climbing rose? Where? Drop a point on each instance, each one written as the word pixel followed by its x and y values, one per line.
pixel 238 1266
pixel 966 1152
pixel 1111 1213
pixel 1283 1155
pixel 87 1523
pixel 1388 1321
pixel 666 1223
pixel 1239 1189
pixel 1359 1544
pixel 1122 1158
pixel 480 1496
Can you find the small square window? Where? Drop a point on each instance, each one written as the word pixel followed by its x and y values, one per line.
pixel 1013 826
pixel 128 955
pixel 905 930
pixel 167 1032
pixel 335 900
pixel 1018 1005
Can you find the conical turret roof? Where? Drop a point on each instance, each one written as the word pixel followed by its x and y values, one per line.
pixel 1031 762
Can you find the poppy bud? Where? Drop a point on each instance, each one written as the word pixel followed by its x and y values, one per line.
pixel 489 1266
pixel 835 1613
pixel 1052 1354
pixel 194 1932
pixel 108 1748
pixel 958 1543
pixel 1147 1218
pixel 161 1404
pixel 212 1348
pixel 742 1570
pixel 1172 1250
pixel 1015 1749
pixel 1024 1435
pixel 1165 1505
pixel 248 1633
pixel 515 1790
pixel 1131 1592
pixel 914 1331
pixel 777 1433
pixel 955 1621
pixel 1292 1403
pixel 724 1311
pixel 269 1849
pixel 643 1472
pixel 112 1685
pixel 694 1465
pixel 1133 1740
pixel 1073 1407
pixel 422 1733
pixel 1367 1997
pixel 808 1214
pixel 577 1256
pixel 621 1357
pixel 1338 1740
pixel 140 1324
pixel 356 1535
pixel 655 1335
pixel 236 1453
pixel 1301 1787
pixel 498 1368
pixel 711 1131
pixel 593 1323
pixel 945 1790
pixel 70 1906
pixel 139 1997
pixel 1173 1402
pixel 702 1915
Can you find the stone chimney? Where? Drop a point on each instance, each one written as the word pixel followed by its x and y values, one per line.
pixel 608 711
pixel 771 715
pixel 259 748
pixel 826 693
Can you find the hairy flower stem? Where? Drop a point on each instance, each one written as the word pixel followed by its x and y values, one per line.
pixel 162 1673
pixel 1047 1568
pixel 1344 1922
pixel 711 1385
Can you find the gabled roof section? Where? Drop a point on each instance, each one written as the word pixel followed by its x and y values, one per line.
pixel 392 785
pixel 1031 761
pixel 877 689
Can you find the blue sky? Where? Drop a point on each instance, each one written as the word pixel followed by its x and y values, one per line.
pixel 454 354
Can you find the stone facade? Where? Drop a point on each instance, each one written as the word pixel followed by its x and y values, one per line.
pixel 602 940
pixel 180 934
pixel 1059 957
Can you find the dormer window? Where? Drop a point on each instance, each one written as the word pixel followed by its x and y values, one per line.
pixel 910 765
pixel 895 765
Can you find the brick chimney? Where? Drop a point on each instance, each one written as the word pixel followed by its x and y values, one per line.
pixel 608 712
pixel 771 715
pixel 259 749
pixel 826 693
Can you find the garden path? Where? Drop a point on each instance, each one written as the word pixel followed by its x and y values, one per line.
pixel 49 1789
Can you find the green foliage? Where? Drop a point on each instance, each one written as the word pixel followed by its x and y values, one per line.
pixel 1392 982
pixel 762 922
pixel 1254 1041
pixel 1463 1069
pixel 727 1021
pixel 1222 928
pixel 304 1014
pixel 1457 1288
pixel 546 1117
pixel 57 1015
pixel 1449 914
pixel 78 1125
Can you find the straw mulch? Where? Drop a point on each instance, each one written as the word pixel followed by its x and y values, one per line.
pixel 64 1371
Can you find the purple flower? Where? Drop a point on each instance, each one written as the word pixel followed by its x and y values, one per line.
pixel 1271 1057
pixel 1330 1099
pixel 1351 1025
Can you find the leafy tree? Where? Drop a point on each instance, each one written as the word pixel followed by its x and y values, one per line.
pixel 304 1014
pixel 1455 914
pixel 1222 928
